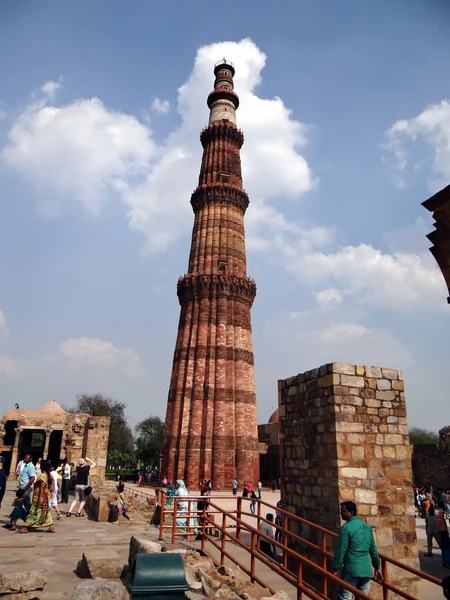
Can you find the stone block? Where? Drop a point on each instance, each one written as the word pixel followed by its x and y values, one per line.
pixel 390 373
pixel 357 473
pixel 141 546
pixel 100 562
pixel 328 380
pixel 385 395
pixel 365 496
pixel 374 372
pixel 384 384
pixel 100 590
pixel 398 385
pixel 352 381
pixel 343 368
pixel 15 579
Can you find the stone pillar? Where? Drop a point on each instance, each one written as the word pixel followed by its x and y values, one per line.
pixel 344 436
pixel 15 452
pixel 48 433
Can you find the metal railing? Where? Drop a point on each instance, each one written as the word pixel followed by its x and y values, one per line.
pixel 294 567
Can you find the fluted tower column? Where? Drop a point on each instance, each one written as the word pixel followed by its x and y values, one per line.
pixel 211 423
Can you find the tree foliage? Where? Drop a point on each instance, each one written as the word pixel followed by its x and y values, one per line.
pixel 118 459
pixel 99 405
pixel 418 436
pixel 149 440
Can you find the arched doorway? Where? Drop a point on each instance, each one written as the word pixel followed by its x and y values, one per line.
pixel 32 441
pixel 54 447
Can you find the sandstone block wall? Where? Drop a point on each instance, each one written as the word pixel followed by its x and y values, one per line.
pixel 344 436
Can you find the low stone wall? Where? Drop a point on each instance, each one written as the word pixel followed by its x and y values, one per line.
pixel 98 507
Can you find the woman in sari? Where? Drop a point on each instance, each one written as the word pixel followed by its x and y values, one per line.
pixel 39 515
pixel 183 509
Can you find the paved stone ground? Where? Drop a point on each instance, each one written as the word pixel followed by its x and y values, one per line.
pixel 59 553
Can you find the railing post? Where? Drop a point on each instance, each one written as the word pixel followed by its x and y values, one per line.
pixel 203 526
pixel 222 545
pixel 161 520
pixel 285 540
pixel 324 562
pixel 253 557
pixel 188 521
pixel 300 580
pixel 239 516
pixel 384 572
pixel 174 518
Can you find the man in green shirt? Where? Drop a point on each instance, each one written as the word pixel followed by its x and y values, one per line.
pixel 356 553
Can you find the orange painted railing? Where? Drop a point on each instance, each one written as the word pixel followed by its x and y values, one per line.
pixel 230 527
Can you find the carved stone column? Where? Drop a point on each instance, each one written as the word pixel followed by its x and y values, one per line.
pixel 15 451
pixel 48 433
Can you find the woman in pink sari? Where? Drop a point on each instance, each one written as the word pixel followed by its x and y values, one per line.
pixel 39 515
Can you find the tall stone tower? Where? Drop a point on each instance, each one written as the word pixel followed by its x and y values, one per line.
pixel 211 424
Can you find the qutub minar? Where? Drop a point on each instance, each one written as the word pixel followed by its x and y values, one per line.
pixel 211 425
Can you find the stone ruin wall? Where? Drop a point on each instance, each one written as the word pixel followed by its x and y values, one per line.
pixel 344 436
pixel 431 462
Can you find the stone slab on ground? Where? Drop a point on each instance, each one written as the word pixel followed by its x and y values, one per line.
pixel 21 578
pixel 142 546
pixel 100 562
pixel 99 589
pixel 34 595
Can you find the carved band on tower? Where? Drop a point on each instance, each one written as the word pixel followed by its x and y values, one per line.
pixel 211 425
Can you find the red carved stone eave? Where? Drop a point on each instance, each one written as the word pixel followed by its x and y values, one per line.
pixel 439 205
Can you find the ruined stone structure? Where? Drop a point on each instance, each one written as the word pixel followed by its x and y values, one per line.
pixel 50 432
pixel 211 426
pixel 431 462
pixel 269 450
pixel 439 205
pixel 344 436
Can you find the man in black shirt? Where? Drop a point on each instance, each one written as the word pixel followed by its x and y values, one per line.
pixel 82 475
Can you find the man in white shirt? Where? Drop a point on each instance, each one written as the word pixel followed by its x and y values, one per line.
pixel 259 489
pixel 264 544
pixel 66 474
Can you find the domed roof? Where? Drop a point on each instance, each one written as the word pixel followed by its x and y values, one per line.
pixel 274 417
pixel 52 407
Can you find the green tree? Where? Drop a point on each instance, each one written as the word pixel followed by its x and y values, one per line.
pixel 149 440
pixel 418 436
pixel 118 459
pixel 99 405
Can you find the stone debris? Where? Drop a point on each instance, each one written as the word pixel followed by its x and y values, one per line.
pixel 141 546
pixel 99 589
pixel 17 581
pixel 102 563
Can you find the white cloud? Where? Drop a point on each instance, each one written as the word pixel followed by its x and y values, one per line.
pixel 76 152
pixel 84 150
pixel 161 106
pixel 82 352
pixel 328 298
pixel 8 366
pixel 431 126
pixel 401 281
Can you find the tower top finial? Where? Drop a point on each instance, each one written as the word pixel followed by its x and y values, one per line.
pixel 224 64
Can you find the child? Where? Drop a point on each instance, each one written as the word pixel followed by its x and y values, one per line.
pixel 19 511
pixel 122 504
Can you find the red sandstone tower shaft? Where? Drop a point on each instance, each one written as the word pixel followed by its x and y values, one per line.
pixel 211 424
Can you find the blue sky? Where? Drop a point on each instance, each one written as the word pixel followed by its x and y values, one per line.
pixel 346 117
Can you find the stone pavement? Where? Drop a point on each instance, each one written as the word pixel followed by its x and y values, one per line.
pixel 59 553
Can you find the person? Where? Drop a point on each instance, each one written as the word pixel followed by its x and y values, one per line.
pixel 274 485
pixel 266 528
pixel 279 520
pixel 250 487
pixel 18 512
pixel 59 471
pixel 66 475
pixel 54 491
pixel 209 486
pixel 253 497
pixel 446 587
pixel 164 482
pixel 259 489
pixel 82 475
pixel 431 529
pixel 183 508
pixel 37 467
pixel 234 486
pixel 245 490
pixel 39 515
pixel 27 477
pixel 122 505
pixel 443 537
pixel 2 480
pixel 356 553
